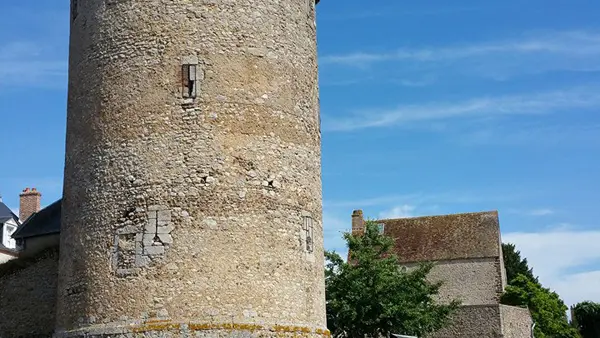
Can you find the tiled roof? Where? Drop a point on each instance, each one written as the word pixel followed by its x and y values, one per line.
pixel 43 222
pixel 446 237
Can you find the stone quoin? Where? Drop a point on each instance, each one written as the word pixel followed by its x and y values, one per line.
pixel 192 201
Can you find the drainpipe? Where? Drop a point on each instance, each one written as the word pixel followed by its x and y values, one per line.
pixel 532 327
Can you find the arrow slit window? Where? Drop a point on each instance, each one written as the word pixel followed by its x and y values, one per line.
pixel 189 80
pixel 308 230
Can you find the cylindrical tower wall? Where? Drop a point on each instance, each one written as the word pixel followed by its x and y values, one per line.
pixel 192 205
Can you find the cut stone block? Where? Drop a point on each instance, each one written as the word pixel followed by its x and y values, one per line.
pixel 165 229
pixel 154 250
pixel 166 238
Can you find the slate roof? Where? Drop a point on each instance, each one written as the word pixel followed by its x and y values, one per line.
pixel 5 212
pixel 43 222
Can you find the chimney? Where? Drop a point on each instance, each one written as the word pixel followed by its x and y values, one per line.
pixel 358 223
pixel 30 200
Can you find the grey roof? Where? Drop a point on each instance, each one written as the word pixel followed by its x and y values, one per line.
pixel 43 222
pixel 5 212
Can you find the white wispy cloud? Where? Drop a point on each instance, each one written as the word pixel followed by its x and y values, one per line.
pixel 580 98
pixel 25 63
pixel 575 43
pixel 496 59
pixel 410 81
pixel 367 202
pixel 532 212
pixel 395 12
pixel 567 261
pixel 555 136
pixel 430 199
pixel 541 212
pixel 422 82
pixel 400 211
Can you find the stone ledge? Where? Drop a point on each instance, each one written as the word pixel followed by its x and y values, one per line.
pixel 157 327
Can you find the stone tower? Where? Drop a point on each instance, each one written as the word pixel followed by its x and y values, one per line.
pixel 192 190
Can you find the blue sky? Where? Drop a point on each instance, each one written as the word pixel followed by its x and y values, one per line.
pixel 427 108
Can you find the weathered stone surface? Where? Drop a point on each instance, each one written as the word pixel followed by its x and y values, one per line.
pixel 472 281
pixel 476 321
pixel 154 250
pixel 139 150
pixel 28 297
pixel 468 261
pixel 149 239
pixel 164 229
pixel 165 238
pixel 516 322
pixel 151 225
pixel 161 327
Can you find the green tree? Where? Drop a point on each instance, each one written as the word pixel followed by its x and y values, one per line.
pixel 514 264
pixel 586 318
pixel 372 295
pixel 548 311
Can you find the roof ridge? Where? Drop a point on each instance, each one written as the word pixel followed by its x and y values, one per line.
pixel 488 212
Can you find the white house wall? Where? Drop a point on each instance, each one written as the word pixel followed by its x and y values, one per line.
pixel 7 240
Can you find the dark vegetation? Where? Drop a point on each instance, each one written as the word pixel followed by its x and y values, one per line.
pixel 372 296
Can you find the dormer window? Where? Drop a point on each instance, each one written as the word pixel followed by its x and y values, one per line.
pixel 7 240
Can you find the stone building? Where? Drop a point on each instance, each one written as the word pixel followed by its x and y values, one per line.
pixel 29 204
pixel 40 231
pixel 192 189
pixel 467 252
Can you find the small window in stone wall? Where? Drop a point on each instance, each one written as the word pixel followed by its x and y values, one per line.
pixel 308 229
pixel 189 81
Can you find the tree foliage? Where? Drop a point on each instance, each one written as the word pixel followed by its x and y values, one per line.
pixel 548 311
pixel 514 264
pixel 372 295
pixel 586 318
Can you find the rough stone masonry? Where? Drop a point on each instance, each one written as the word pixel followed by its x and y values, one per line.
pixel 192 197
